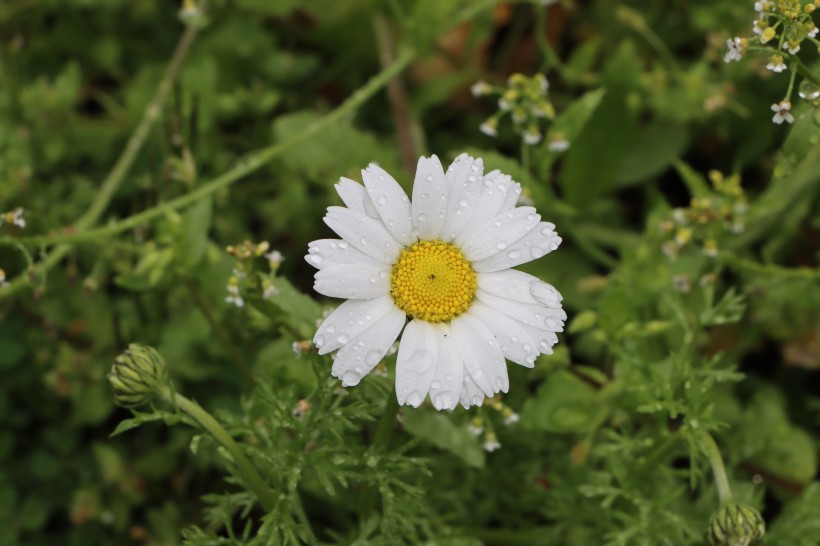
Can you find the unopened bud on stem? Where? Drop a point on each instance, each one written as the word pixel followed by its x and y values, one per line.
pixel 137 376
pixel 735 524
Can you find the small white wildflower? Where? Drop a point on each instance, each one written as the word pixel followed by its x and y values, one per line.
pixel 238 273
pixel 813 32
pixel 233 293
pixel 504 104
pixel 235 300
pixel 670 249
pixel 475 430
pixel 776 63
pixel 532 136
pixel 782 112
pixel 275 259
pixel 17 218
pixel 738 227
pixel 679 215
pixel 270 291
pixel 490 127
pixel 763 6
pixel 480 88
pixel 512 418
pixel 681 283
pixel 3 281
pixel 519 115
pixel 560 145
pixel 710 248
pixel 758 26
pixel 491 443
pixel 791 46
pixel 301 347
pixel 734 49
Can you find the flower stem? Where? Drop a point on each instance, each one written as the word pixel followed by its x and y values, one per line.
pixel 718 469
pixel 117 174
pixel 243 465
pixel 384 429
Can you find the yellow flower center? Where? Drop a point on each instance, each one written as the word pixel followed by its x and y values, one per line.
pixel 433 281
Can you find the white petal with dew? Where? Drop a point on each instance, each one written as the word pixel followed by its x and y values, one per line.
pixel 355 197
pixel 353 281
pixel 349 320
pixel 519 286
pixel 445 390
pixel 327 252
pixel 416 362
pixel 513 337
pixel 494 189
pixel 545 318
pixel 429 198
pixel 499 233
pixel 360 355
pixel 464 179
pixel 481 354
pixel 391 202
pixel 538 242
pixel 544 339
pixel 471 395
pixel 366 234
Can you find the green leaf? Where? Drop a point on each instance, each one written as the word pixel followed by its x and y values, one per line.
pixel 695 182
pixel 440 431
pixel 595 158
pixel 654 149
pixel 195 224
pixel 291 307
pixel 563 404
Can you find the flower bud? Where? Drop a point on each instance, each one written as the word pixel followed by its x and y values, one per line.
pixel 736 524
pixel 137 376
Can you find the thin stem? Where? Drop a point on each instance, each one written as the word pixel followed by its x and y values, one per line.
pixel 804 70
pixel 718 470
pixel 791 82
pixel 396 94
pixel 117 174
pixel 245 166
pixel 384 429
pixel 243 465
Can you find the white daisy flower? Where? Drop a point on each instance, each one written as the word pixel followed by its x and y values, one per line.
pixel 782 112
pixel 445 262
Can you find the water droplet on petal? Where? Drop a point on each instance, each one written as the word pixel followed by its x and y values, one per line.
pixel 414 399
pixel 537 252
pixel 315 259
pixel 382 200
pixel 343 245
pixel 372 358
pixel 343 338
pixel 363 241
pixel 330 329
pixel 513 254
pixel 350 378
pixel 501 245
pixel 435 385
pixel 319 341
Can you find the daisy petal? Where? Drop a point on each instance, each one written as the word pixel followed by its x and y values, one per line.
pixel 519 286
pixel 481 354
pixel 445 390
pixel 544 339
pixel 511 199
pixel 494 189
pixel 326 252
pixel 513 337
pixel 353 281
pixel 416 363
pixel 355 197
pixel 464 178
pixel 501 232
pixel 538 242
pixel 471 395
pixel 532 315
pixel 359 356
pixel 429 198
pixel 366 234
pixel 348 321
pixel 391 202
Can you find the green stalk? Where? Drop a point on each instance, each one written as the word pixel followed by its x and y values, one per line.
pixel 243 465
pixel 718 469
pixel 117 174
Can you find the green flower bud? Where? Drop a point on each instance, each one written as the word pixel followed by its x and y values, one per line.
pixel 137 376
pixel 736 524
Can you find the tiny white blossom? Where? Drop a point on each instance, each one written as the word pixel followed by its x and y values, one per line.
pixel 776 64
pixel 791 47
pixel 504 104
pixel 813 32
pixel 782 112
pixel 270 291
pixel 679 215
pixel 238 273
pixel 475 429
pixel 275 258
pixel 3 281
pixel 763 6
pixel 560 145
pixel 511 418
pixel 233 296
pixel 491 444
pixel 734 49
pixel 532 136
pixel 17 218
pixel 489 128
pixel 543 82
pixel 758 26
pixel 681 283
pixel 480 88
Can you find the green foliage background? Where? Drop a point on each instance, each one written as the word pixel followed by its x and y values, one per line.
pixel 606 450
